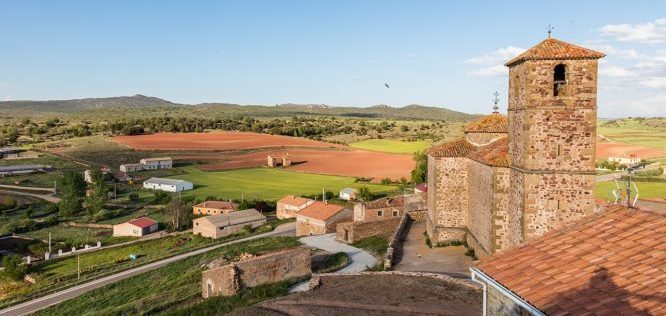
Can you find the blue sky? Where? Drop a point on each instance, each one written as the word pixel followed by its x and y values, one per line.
pixel 439 53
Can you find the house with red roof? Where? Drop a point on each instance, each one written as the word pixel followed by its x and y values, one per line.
pixel 321 218
pixel 288 206
pixel 136 228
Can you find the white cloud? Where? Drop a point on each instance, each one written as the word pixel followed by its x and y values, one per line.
pixel 648 33
pixel 7 98
pixel 501 55
pixel 615 71
pixel 493 62
pixel 654 82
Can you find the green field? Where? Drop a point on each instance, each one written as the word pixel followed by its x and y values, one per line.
pixel 392 146
pixel 650 132
pixel 267 184
pixel 174 286
pixel 646 190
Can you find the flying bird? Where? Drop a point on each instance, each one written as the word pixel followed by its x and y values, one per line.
pixel 387 85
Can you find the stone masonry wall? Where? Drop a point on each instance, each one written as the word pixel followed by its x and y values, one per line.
pixel 554 200
pixel 451 199
pixel 501 231
pixel 515 210
pixel 270 268
pixel 357 230
pixel 498 304
pixel 480 216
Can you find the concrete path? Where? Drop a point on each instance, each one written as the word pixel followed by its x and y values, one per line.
pixel 42 189
pixel 44 197
pixel 360 259
pixel 418 257
pixel 288 229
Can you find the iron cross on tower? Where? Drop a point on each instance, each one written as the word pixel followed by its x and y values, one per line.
pixel 550 29
pixel 496 100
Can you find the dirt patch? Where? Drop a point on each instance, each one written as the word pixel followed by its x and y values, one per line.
pixel 376 295
pixel 611 149
pixel 215 141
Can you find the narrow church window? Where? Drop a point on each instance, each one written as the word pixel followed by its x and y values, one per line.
pixel 559 150
pixel 559 80
pixel 516 86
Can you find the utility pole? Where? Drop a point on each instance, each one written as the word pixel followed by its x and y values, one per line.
pixel 78 267
pixel 323 195
pixel 49 243
pixel 55 186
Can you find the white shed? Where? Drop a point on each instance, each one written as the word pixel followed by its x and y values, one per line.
pixel 168 185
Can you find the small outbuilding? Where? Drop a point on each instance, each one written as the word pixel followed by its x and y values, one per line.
pixel 214 208
pixel 348 194
pixel 321 218
pixel 137 227
pixel 217 226
pixel 168 185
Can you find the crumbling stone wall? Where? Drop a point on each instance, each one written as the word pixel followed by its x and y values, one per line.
pixel 270 268
pixel 351 232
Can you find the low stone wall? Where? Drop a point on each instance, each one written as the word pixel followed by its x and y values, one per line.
pixel 396 242
pixel 270 268
pixel 316 279
pixel 351 232
pixel 418 216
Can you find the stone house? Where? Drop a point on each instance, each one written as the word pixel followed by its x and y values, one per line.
pixel 226 279
pixel 388 207
pixel 608 263
pixel 217 226
pixel 513 178
pixel 157 163
pixel 321 218
pixel 288 206
pixel 136 228
pixel 214 208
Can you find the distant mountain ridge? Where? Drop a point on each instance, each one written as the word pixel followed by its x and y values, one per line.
pixel 145 105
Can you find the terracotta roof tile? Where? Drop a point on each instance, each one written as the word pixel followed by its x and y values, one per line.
pixel 456 148
pixel 398 201
pixel 551 48
pixel 495 154
pixel 582 271
pixel 142 222
pixel 493 123
pixel 223 205
pixel 320 210
pixel 293 200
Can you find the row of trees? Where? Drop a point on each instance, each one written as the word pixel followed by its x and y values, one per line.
pixel 74 196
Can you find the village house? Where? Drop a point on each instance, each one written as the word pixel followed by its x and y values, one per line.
pixel 421 188
pixel 136 228
pixel 214 208
pixel 513 178
pixel 626 160
pixel 217 226
pixel 320 218
pixel 87 174
pixel 288 206
pixel 348 194
pixel 388 207
pixel 168 185
pixel 609 263
pixel 148 164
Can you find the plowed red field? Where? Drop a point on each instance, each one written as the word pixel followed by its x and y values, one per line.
pixel 605 150
pixel 308 155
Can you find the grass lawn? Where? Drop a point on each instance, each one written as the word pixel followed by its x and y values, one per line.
pixel 392 146
pixel 645 189
pixel 48 179
pixel 76 236
pixel 267 184
pixel 375 244
pixel 648 133
pixel 177 285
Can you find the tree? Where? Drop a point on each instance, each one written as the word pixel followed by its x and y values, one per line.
pixel 14 267
pixel 97 195
pixel 177 213
pixel 364 194
pixel 72 189
pixel 420 172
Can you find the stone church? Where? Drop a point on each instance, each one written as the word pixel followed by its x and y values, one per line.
pixel 512 178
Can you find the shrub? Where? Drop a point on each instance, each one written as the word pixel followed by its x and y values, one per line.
pixel 162 197
pixel 101 215
pixel 14 267
pixel 133 196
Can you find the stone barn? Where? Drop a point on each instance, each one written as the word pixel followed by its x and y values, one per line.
pixel 512 178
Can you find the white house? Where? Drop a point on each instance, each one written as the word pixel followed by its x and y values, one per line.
pixel 137 227
pixel 131 167
pixel 626 160
pixel 157 163
pixel 168 185
pixel 348 194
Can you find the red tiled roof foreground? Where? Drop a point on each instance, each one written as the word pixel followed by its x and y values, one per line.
pixel 493 123
pixel 142 222
pixel 611 263
pixel 551 48
pixel 495 154
pixel 320 210
pixel 456 148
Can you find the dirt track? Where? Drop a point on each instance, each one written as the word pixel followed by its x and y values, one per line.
pixel 376 295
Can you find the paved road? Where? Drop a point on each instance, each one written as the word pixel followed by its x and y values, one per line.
pixel 8 186
pixel 360 259
pixel 44 197
pixel 288 229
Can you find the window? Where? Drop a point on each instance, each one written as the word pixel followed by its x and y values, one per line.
pixel 516 86
pixel 380 213
pixel 395 213
pixel 559 80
